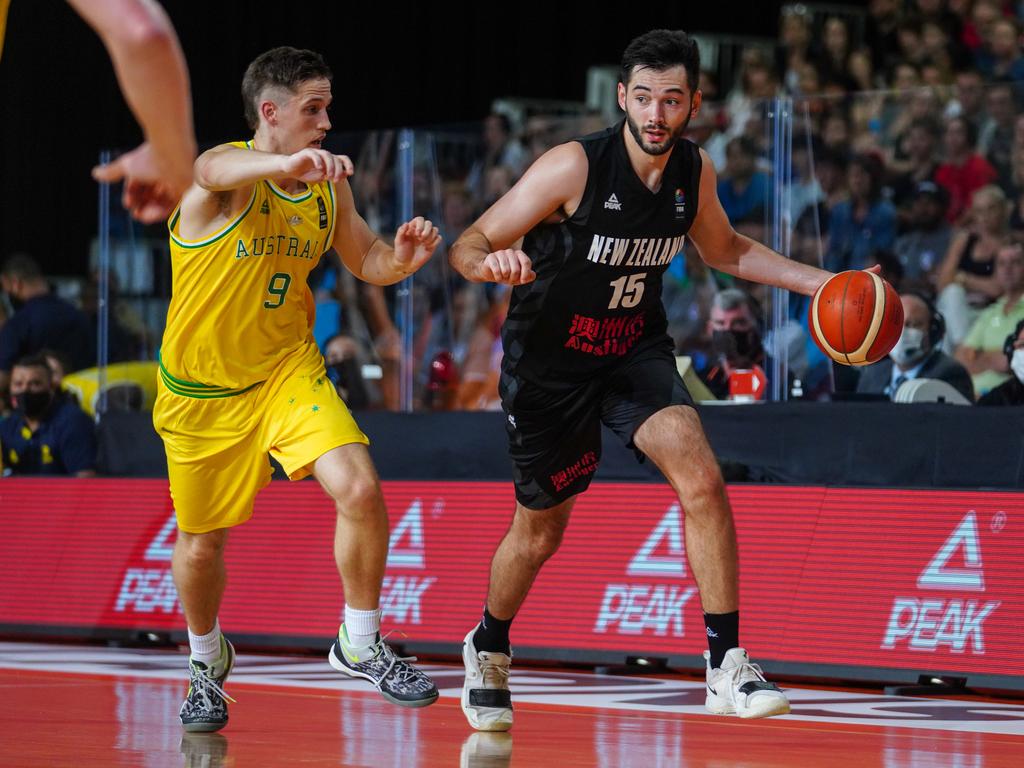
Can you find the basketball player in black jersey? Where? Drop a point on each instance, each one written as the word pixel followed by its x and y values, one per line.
pixel 585 342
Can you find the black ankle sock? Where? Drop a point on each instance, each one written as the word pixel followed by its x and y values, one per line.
pixel 723 633
pixel 492 635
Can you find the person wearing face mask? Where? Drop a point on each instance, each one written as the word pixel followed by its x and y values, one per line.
pixel 735 341
pixel 916 354
pixel 46 434
pixel 1011 391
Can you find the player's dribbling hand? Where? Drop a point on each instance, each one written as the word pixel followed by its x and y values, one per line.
pixel 150 192
pixel 415 243
pixel 509 266
pixel 313 165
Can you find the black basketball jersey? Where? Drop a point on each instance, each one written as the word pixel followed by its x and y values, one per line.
pixel 597 296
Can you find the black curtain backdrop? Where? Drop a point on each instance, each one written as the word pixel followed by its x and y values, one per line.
pixel 395 64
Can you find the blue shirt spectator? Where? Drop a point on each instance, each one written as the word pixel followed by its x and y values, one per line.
pixel 47 434
pixel 742 189
pixel 863 224
pixel 41 320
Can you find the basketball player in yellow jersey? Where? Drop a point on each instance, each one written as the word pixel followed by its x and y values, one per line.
pixel 241 376
pixel 154 80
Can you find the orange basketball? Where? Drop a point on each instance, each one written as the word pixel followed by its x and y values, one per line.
pixel 855 317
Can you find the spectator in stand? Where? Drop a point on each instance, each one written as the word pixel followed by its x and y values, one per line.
pixel 862 224
pixel 1011 391
pixel 909 34
pixel 968 97
pixel 501 150
pixel 47 434
pixel 881 36
pixel 916 161
pixel 1004 61
pixel 996 137
pixel 964 170
pixel 922 248
pixel 834 58
pixel 749 98
pixel 343 361
pixel 742 189
pixel 978 34
pixel 916 355
pixel 982 350
pixel 965 281
pixel 794 50
pixel 40 320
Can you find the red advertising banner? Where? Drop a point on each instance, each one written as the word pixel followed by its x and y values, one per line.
pixel 881 578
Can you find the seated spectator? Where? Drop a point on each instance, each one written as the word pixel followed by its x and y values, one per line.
pixel 736 342
pixel 343 362
pixel 965 282
pixel 742 189
pixel 47 434
pixel 1011 391
pixel 982 350
pixel 916 355
pixel 995 139
pixel 862 224
pixel 500 150
pixel 923 247
pixel 964 170
pixel 915 161
pixel 40 320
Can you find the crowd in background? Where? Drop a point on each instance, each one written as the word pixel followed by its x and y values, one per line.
pixel 907 152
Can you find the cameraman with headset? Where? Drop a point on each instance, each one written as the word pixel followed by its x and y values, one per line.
pixel 916 354
pixel 1011 391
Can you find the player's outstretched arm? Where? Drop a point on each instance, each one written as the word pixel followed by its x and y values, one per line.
pixel 723 248
pixel 151 70
pixel 367 256
pixel 229 167
pixel 553 185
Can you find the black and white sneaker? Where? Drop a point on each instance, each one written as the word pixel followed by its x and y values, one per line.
pixel 738 687
pixel 397 680
pixel 205 708
pixel 486 700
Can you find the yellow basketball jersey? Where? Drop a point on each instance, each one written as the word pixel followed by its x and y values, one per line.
pixel 240 303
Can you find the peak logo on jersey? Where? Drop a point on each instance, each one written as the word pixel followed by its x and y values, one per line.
pixel 612 203
pixel 295 220
pixel 265 208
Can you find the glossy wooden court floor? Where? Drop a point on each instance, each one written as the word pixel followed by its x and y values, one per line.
pixel 87 706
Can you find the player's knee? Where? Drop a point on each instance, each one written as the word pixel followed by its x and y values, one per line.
pixel 201 551
pixel 703 492
pixel 543 538
pixel 358 499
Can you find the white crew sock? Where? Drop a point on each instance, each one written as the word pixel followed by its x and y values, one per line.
pixel 205 648
pixel 361 626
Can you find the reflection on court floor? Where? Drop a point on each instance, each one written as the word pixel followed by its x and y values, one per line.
pixel 119 707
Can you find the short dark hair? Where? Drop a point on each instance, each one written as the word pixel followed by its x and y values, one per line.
pixel 22 266
pixel 35 360
pixel 659 50
pixel 285 67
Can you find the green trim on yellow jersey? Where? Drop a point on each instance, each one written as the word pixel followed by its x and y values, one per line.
pixel 302 196
pixel 195 389
pixel 216 235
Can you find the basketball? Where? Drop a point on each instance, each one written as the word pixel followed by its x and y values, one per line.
pixel 855 317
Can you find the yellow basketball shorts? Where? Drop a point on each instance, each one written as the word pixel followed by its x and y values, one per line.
pixel 217 447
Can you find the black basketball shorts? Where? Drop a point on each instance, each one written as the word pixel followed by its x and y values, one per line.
pixel 554 430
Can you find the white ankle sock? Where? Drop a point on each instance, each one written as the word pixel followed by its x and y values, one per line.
pixel 205 648
pixel 361 626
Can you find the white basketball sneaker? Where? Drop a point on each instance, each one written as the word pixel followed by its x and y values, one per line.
pixel 738 687
pixel 486 700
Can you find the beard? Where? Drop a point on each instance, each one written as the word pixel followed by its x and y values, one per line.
pixel 657 149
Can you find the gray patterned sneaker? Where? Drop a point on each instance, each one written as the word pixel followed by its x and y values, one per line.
pixel 397 680
pixel 206 704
